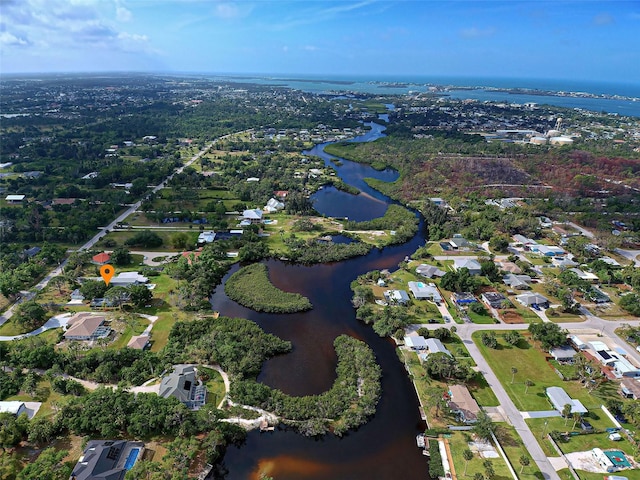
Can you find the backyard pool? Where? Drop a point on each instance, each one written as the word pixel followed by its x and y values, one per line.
pixel 131 459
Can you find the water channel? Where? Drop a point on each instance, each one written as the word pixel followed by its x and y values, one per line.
pixel 385 447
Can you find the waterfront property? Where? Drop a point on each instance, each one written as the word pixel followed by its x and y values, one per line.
pixel 436 346
pixel 107 460
pixel 429 271
pixel 462 404
pixel 425 291
pixel 184 385
pixel 399 297
pixel 415 342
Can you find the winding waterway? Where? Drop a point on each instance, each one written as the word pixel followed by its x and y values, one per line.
pixel 385 447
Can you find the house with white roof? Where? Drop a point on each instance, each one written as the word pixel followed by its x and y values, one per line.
pixel 436 346
pixel 559 398
pixel 273 206
pixel 15 199
pixel 415 342
pixel 563 262
pixel 251 216
pixel 530 299
pixel 547 250
pixel 469 263
pixel 206 237
pixel 397 296
pixel 125 279
pixel 425 291
pixel 13 407
pixel 582 275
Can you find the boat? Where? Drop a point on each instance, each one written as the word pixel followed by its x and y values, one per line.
pixel 420 440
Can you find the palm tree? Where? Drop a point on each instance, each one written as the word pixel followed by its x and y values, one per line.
pixel 566 411
pixel 514 370
pixel 467 455
pixel 528 383
pixel 524 461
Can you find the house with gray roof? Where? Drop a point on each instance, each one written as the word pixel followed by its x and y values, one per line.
pixel 107 460
pixel 559 398
pixel 399 297
pixel 184 385
pixel 469 263
pixel 517 282
pixel 436 346
pixel 429 271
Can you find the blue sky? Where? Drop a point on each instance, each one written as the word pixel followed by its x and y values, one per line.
pixel 585 40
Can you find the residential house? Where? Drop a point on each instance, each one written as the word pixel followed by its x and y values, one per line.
pixel 126 279
pixel 563 262
pixel 429 271
pixel 630 388
pixel 273 206
pixel 77 296
pixel 101 258
pixel 577 342
pixel 524 241
pixel 559 398
pixel 547 250
pixel 493 299
pixel 15 199
pixel 415 342
pixel 436 346
pixel 582 275
pixel 458 241
pixel 184 385
pixel 464 298
pixel 531 299
pixel 107 460
pixel 399 297
pixel 86 326
pixel 596 295
pixel 509 267
pixel 517 282
pixel 206 237
pixel 469 263
pixel 13 407
pixel 31 252
pixel 251 216
pixel 462 404
pixel 281 194
pixel 563 353
pixel 425 291
pixel 610 261
pixel 139 342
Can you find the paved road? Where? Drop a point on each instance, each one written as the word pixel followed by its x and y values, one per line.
pixel 632 255
pixel 514 416
pixel 103 231
pixel 582 230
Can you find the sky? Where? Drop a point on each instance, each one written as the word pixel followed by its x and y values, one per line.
pixel 582 40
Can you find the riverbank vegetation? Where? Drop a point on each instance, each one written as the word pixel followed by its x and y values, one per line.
pixel 402 221
pixel 350 401
pixel 308 252
pixel 250 286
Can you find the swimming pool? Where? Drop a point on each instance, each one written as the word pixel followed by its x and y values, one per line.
pixel 131 459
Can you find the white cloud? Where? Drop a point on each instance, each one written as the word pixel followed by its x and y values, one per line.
pixel 229 10
pixel 7 38
pixel 123 14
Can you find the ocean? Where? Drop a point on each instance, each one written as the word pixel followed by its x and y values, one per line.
pixel 401 85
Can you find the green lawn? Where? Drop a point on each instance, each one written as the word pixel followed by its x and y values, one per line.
pixel 531 364
pixel 215 386
pixel 458 444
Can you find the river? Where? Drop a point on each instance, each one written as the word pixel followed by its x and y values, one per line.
pixel 385 447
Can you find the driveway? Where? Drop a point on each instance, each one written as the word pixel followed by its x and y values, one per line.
pixel 54 322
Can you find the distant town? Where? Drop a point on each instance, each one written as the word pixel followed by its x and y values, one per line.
pixel 266 243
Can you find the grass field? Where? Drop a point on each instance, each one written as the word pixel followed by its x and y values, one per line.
pixel 531 365
pixel 215 386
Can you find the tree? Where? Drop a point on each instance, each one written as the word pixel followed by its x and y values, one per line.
pixel 499 243
pixel 576 418
pixel 467 455
pixel 121 256
pixel 91 289
pixel 30 315
pixel 435 398
pixel 478 308
pixel 484 426
pixel 180 240
pixel 524 461
pixel 566 412
pixel 147 239
pixel 41 430
pixel 514 370
pixel 140 295
pixel 48 466
pixel 489 339
pixel 118 295
pixel 489 471
pixel 550 335
pixel 528 383
pixel 512 337
pixel 478 476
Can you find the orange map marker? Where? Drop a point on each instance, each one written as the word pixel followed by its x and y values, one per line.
pixel 106 272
